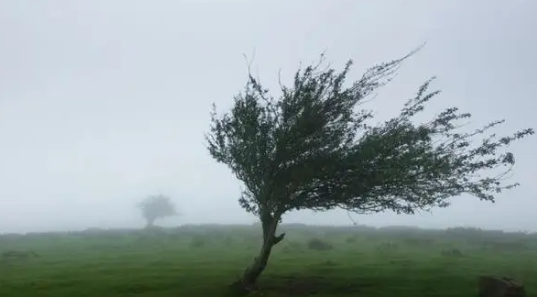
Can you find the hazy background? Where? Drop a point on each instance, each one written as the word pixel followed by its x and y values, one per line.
pixel 105 102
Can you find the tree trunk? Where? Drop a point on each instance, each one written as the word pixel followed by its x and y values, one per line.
pixel 247 283
pixel 150 223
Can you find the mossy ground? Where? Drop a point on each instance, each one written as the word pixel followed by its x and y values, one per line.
pixel 202 261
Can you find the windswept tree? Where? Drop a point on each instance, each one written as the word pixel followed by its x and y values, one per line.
pixel 156 207
pixel 313 148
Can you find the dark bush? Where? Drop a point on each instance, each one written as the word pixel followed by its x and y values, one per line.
pixel 198 242
pixel 319 245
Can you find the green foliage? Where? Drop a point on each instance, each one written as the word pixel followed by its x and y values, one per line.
pixel 155 207
pixel 314 148
pixel 198 242
pixel 317 244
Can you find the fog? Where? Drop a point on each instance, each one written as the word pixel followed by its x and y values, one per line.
pixel 105 102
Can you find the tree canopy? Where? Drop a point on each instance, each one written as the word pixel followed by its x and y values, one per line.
pixel 313 149
pixel 155 207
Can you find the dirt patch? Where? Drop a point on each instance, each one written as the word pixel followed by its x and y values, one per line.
pixel 294 285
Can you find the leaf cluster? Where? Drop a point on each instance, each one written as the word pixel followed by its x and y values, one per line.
pixel 314 148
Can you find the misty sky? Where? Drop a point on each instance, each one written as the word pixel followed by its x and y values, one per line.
pixel 104 102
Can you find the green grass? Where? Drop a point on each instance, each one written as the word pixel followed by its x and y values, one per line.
pixel 202 262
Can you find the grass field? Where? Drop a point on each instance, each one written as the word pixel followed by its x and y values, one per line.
pixel 326 261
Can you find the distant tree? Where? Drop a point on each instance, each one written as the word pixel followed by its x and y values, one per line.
pixel 156 207
pixel 312 148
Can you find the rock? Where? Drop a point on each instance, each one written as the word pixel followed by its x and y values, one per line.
pixel 491 286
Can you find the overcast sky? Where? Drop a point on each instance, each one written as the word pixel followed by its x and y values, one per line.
pixel 104 102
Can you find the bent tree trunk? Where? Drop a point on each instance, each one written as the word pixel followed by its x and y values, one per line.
pixel 247 282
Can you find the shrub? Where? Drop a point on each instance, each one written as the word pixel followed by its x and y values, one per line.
pixel 197 242
pixel 319 245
